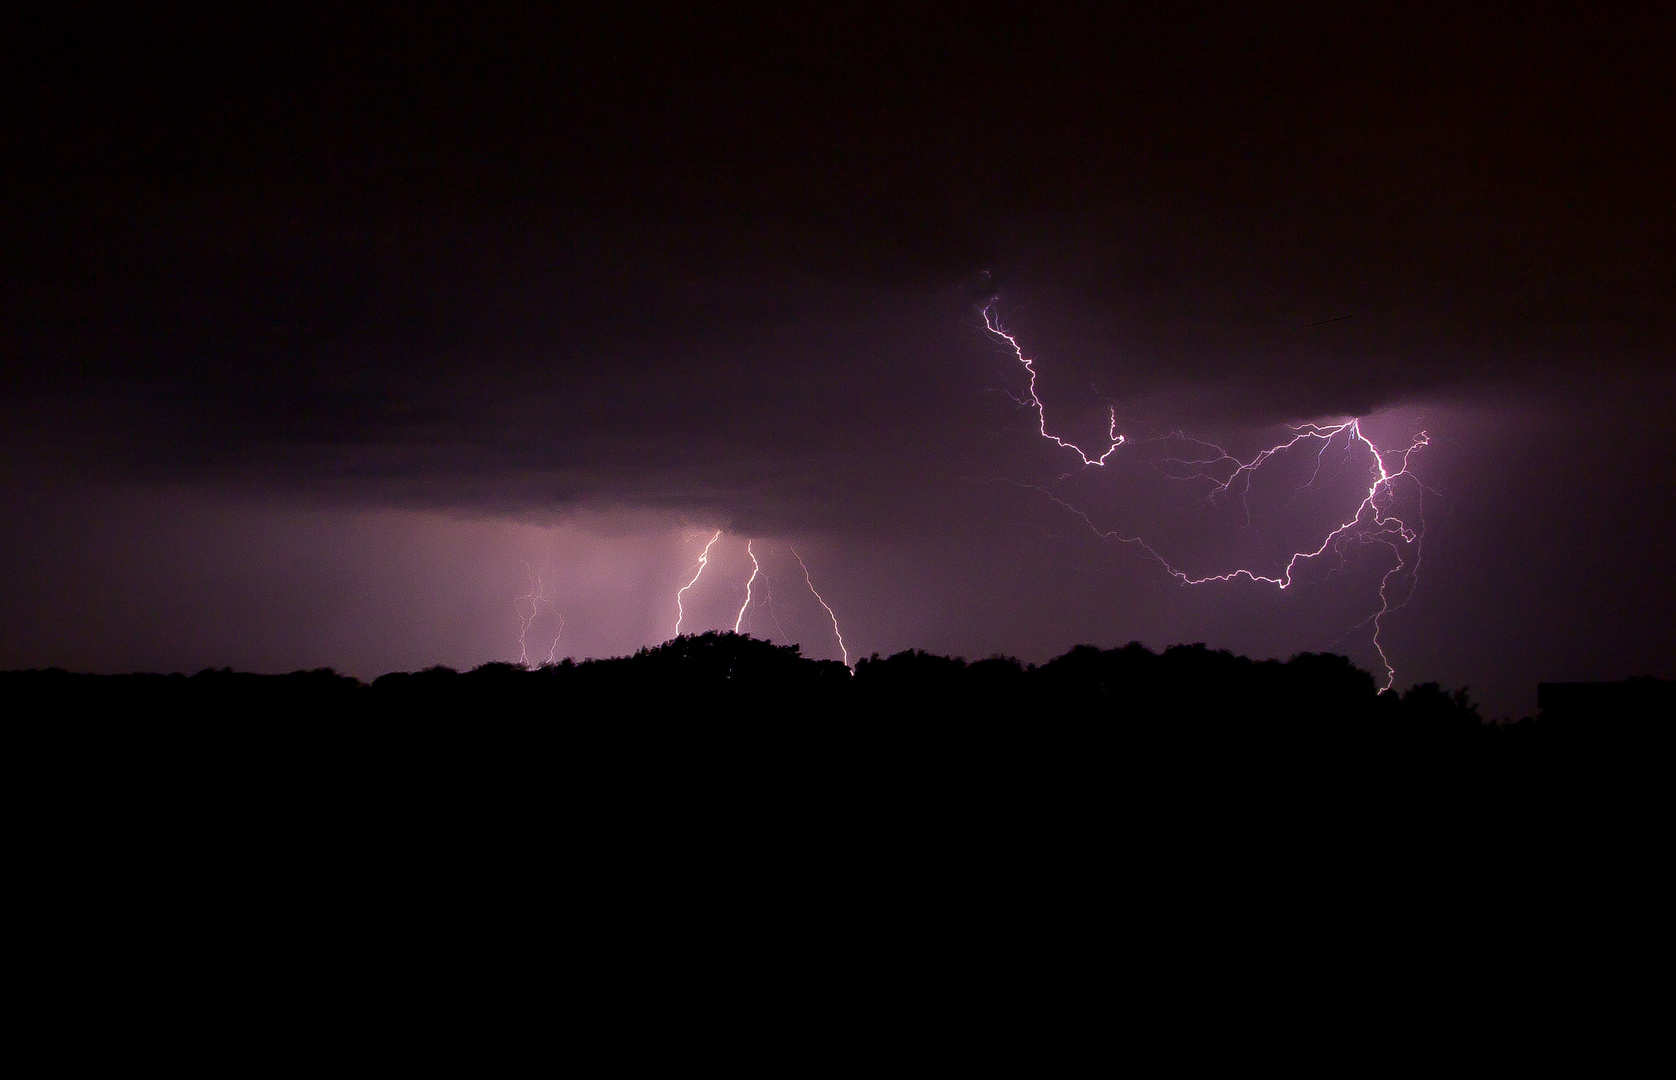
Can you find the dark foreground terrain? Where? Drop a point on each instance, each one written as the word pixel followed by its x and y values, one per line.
pixel 1116 828
pixel 738 737
pixel 1186 695
pixel 716 716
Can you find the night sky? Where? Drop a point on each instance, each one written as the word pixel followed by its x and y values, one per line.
pixel 324 335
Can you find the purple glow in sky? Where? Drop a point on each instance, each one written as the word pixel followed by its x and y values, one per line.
pixel 384 342
pixel 1372 522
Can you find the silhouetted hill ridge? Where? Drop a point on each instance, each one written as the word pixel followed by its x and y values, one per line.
pixel 1178 787
pixel 1184 692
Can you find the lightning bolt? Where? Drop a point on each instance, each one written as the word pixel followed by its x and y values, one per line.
pixel 767 601
pixel 536 597
pixel 703 561
pixel 835 631
pixel 1372 522
pixel 992 323
pixel 750 594
pixel 755 570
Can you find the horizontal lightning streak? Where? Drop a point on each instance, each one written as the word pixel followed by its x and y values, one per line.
pixel 1370 523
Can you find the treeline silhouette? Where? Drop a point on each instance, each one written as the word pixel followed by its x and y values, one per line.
pixel 1096 706
pixel 649 813
pixel 1255 767
pixel 1186 691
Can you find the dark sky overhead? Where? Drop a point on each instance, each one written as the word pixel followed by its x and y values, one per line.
pixel 319 326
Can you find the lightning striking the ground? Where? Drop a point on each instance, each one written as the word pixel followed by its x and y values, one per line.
pixel 756 568
pixel 703 561
pixel 536 597
pixel 1375 521
pixel 835 631
pixel 751 601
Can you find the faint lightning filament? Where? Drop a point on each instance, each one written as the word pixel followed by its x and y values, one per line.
pixel 536 597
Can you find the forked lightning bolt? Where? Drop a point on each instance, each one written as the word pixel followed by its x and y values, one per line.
pixel 703 561
pixel 992 324
pixel 536 597
pixel 750 593
pixel 767 600
pixel 1372 522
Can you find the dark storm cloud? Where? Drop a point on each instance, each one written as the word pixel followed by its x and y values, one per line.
pixel 729 261
pixel 726 267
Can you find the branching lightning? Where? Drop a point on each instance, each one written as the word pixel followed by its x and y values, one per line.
pixel 1382 516
pixel 991 323
pixel 751 600
pixel 536 597
pixel 767 601
pixel 1374 520
pixel 703 561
